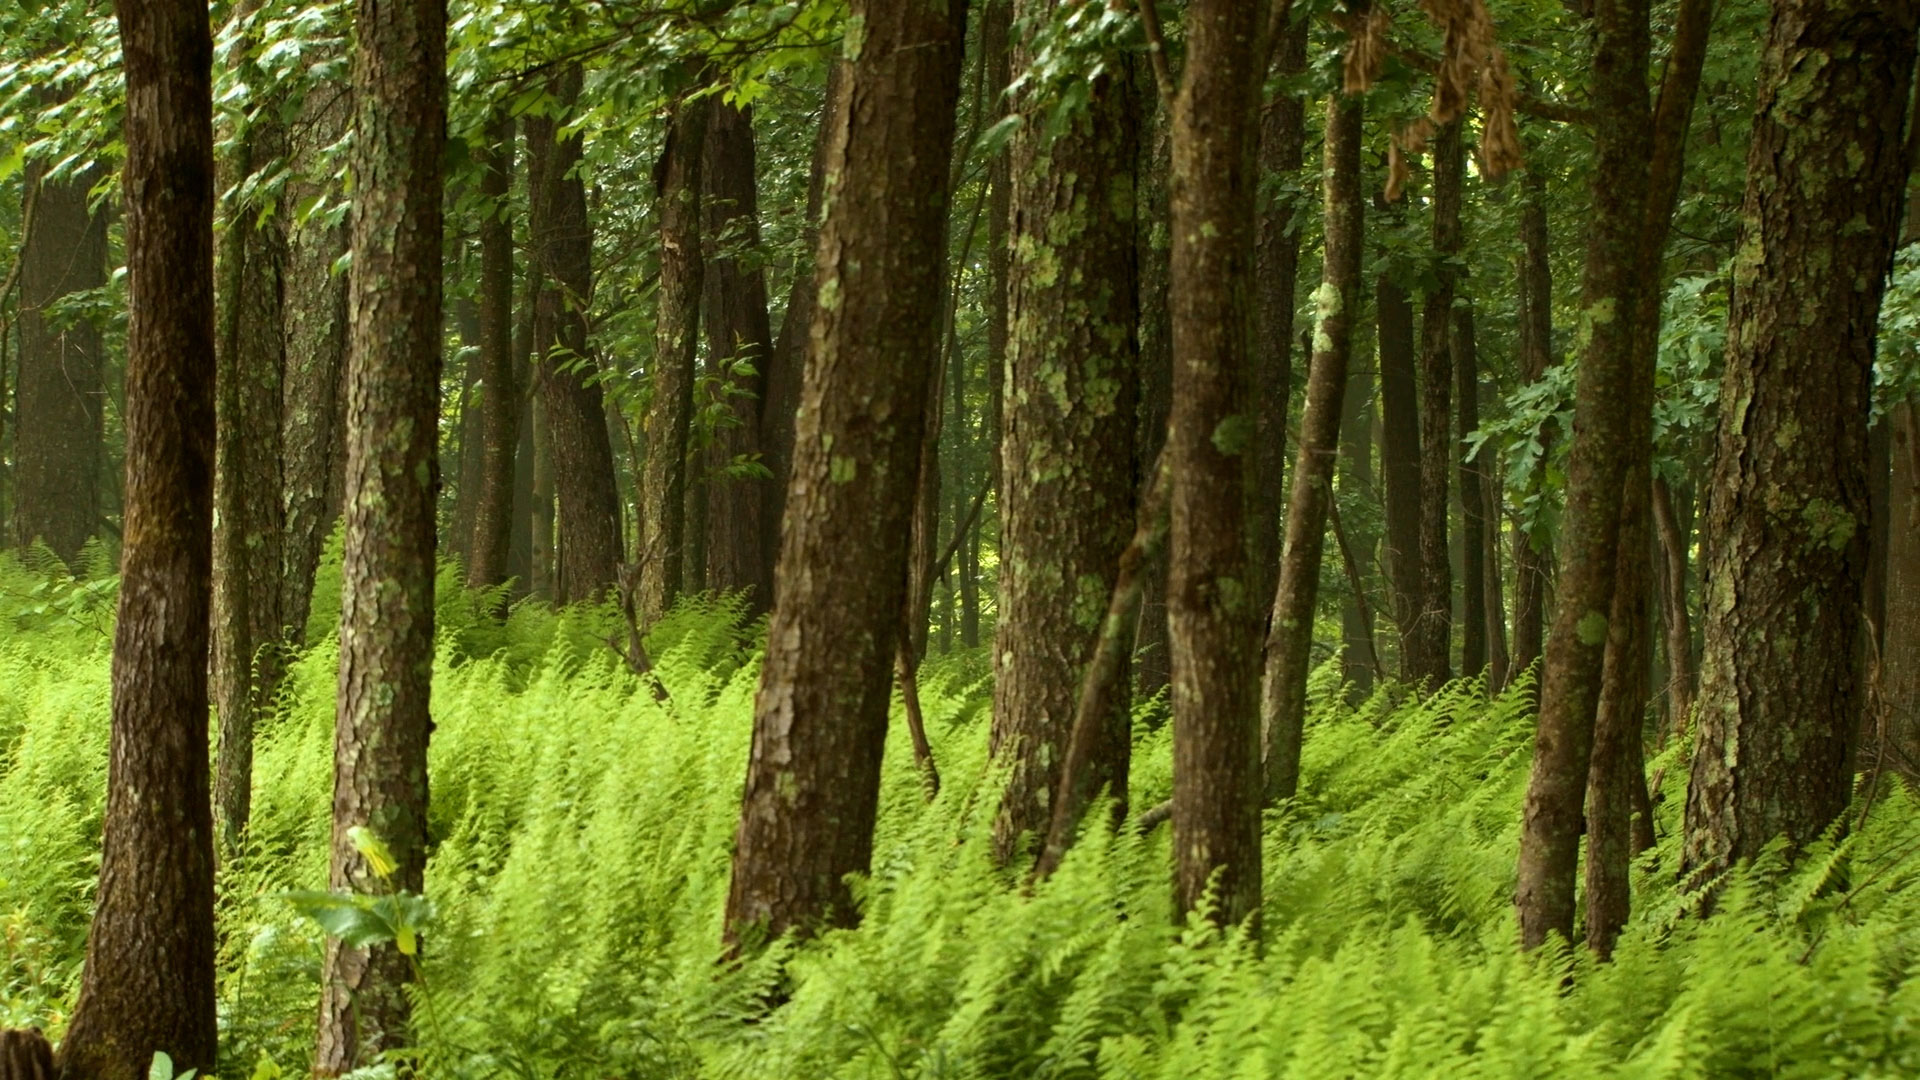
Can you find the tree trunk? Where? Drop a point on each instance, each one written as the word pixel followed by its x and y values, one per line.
pixel 1533 547
pixel 1212 621
pixel 1153 671
pixel 1283 135
pixel 1900 649
pixel 1596 469
pixel 663 521
pixel 790 349
pixel 1067 491
pixel 576 416
pixel 1474 652
pixel 1336 303
pixel 1357 648
pixel 1429 660
pixel 148 983
pixel 1780 687
pixel 499 385
pixel 741 548
pixel 393 410
pixel 248 559
pixel 57 431
pixel 1674 544
pixel 1400 462
pixel 820 719
pixel 315 320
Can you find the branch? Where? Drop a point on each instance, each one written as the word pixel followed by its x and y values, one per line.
pixel 1536 107
pixel 1156 49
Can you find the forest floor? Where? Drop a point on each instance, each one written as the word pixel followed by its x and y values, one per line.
pixel 583 831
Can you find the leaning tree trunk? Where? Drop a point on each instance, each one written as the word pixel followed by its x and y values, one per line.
pixel 57 430
pixel 393 411
pixel 248 563
pixel 663 517
pixel 741 548
pixel 1336 307
pixel 1067 495
pixel 1780 682
pixel 1212 620
pixel 1596 469
pixel 820 719
pixel 148 984
pixel 1283 136
pixel 576 415
pixel 499 382
pixel 315 326
pixel 1428 660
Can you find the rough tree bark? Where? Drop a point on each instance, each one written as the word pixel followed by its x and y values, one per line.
pixel 148 984
pixel 57 430
pixel 1212 619
pixel 576 415
pixel 500 391
pixel 820 719
pixel 1596 469
pixel 1336 305
pixel 248 560
pixel 663 517
pixel 1780 685
pixel 1428 660
pixel 1067 484
pixel 741 548
pixel 393 409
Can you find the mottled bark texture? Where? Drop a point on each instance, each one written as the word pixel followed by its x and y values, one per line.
pixel 1596 469
pixel 148 984
pixel 248 564
pixel 1212 614
pixel 663 484
pixel 1533 547
pixel 57 431
pixel 741 548
pixel 500 391
pixel 315 327
pixel 382 723
pixel 820 718
pixel 1067 482
pixel 1283 136
pixel 576 416
pixel 1400 462
pixel 1152 656
pixel 1428 660
pixel 1337 304
pixel 1780 684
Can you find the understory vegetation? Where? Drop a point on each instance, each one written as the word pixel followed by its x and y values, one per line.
pixel 582 832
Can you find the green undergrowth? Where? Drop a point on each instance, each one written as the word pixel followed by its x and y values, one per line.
pixel 583 833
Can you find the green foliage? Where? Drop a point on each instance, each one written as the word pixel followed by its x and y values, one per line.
pixel 581 849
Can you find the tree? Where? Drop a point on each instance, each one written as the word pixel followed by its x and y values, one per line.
pixel 1212 618
pixel 574 408
pixel 1336 305
pixel 1067 483
pixel 1780 682
pixel 500 394
pixel 820 717
pixel 248 563
pixel 58 429
pixel 1428 658
pixel 1596 470
pixel 148 984
pixel 393 412
pixel 1532 546
pixel 663 514
pixel 1153 670
pixel 1400 462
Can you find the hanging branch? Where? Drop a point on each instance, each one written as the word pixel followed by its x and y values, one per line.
pixel 1102 680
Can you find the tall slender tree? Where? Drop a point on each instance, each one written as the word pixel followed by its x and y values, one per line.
pixel 1212 618
pixel 393 411
pixel 1428 658
pixel 500 390
pixel 820 718
pixel 1153 671
pixel 1780 682
pixel 1067 486
pixel 1336 307
pixel 1532 547
pixel 1400 460
pixel 148 984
